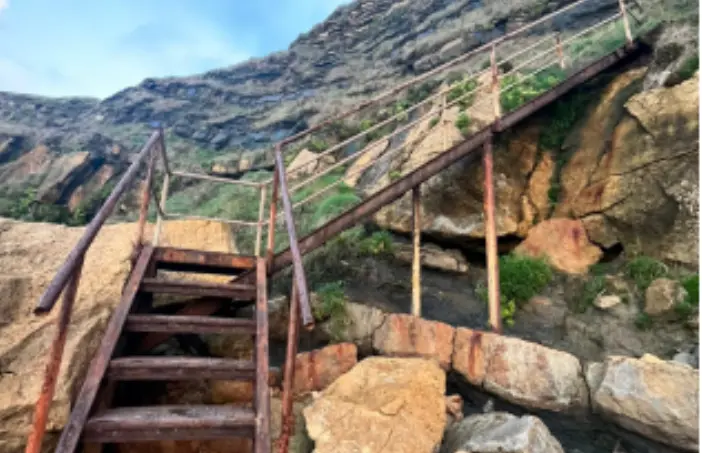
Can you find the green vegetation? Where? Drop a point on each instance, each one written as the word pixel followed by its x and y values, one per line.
pixel 378 243
pixel 508 307
pixel 643 321
pixel 331 307
pixel 516 92
pixel 334 205
pixel 643 270
pixel 592 289
pixel 317 145
pixel 394 175
pixel 692 286
pixel 461 90
pixel 522 278
pixel 433 122
pixel 688 68
pixel 463 123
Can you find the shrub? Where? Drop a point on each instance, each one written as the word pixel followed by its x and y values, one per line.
pixel 592 289
pixel 508 308
pixel 380 242
pixel 692 286
pixel 643 270
pixel 522 278
pixel 643 321
pixel 333 205
pixel 434 121
pixel 519 92
pixel 688 68
pixel 462 123
pixel 317 145
pixel 331 307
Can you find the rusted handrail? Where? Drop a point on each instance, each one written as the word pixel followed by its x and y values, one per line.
pixel 50 296
pixel 298 271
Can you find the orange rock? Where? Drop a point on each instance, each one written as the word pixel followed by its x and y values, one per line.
pixel 563 243
pixel 408 336
pixel 315 370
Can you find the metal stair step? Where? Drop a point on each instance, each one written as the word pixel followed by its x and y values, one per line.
pixel 237 291
pixel 189 324
pixel 180 368
pixel 186 260
pixel 154 423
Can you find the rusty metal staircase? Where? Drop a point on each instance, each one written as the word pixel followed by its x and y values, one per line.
pixel 94 419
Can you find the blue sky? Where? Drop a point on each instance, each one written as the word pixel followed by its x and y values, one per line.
pixel 97 47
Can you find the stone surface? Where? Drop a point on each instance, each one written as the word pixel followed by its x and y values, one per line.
pixel 434 257
pixel 30 254
pixel 305 164
pixel 360 323
pixel 409 336
pixel 606 302
pixel 654 398
pixel 663 295
pixel 519 371
pixel 315 370
pixel 500 432
pixel 563 243
pixel 388 405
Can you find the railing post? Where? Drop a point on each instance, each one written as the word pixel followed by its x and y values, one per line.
pixel 259 228
pixel 262 442
pixel 493 273
pixel 559 50
pixel 53 366
pixel 144 208
pixel 625 21
pixel 416 252
pixel 495 84
pixel 270 252
pixel 289 371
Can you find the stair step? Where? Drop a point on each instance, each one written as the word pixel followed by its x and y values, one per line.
pixel 189 324
pixel 237 291
pixel 185 260
pixel 153 423
pixel 180 368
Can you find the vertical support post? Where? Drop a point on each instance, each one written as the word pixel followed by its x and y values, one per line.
pixel 495 84
pixel 270 251
pixel 262 442
pixel 416 258
pixel 625 21
pixel 43 405
pixel 491 241
pixel 559 51
pixel 259 227
pixel 162 203
pixel 287 419
pixel 145 199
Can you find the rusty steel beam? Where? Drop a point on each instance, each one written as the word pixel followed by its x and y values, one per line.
pixel 270 250
pixel 287 419
pixel 416 251
pixel 298 270
pixel 151 368
pixel 493 273
pixel 235 291
pixel 53 366
pixel 387 195
pixel 187 260
pixel 145 199
pixel 189 324
pixel 262 440
pixel 48 299
pixel 559 90
pixel 81 409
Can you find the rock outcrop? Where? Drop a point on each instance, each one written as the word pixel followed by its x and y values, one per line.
pixel 381 405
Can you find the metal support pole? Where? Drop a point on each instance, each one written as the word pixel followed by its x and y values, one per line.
pixel 495 84
pixel 559 51
pixel 416 258
pixel 145 199
pixel 43 405
pixel 270 251
pixel 493 272
pixel 287 419
pixel 259 228
pixel 162 202
pixel 625 21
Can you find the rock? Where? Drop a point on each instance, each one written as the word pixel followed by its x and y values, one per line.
pixel 454 408
pixel 500 432
pixel 307 163
pixel 30 254
pixel 686 358
pixel 315 370
pixel 663 295
pixel 673 46
pixel 360 323
pixel 360 165
pixel 606 302
pixel 409 336
pixel 434 257
pixel 521 372
pixel 563 243
pixel 654 398
pixel 383 404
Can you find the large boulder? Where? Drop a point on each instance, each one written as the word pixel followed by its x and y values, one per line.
pixel 433 257
pixel 387 405
pixel 521 372
pixel 30 255
pixel 500 432
pixel 654 398
pixel 663 295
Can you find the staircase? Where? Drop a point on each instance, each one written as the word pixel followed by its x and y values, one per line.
pixel 97 418
pixel 102 423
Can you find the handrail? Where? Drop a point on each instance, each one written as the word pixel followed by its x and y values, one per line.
pixel 298 271
pixel 50 296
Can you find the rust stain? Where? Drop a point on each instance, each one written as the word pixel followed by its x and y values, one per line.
pixel 475 354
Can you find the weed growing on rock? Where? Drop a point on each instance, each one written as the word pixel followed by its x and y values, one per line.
pixel 643 321
pixel 592 289
pixel 522 277
pixel 692 286
pixel 462 123
pixel 688 68
pixel 333 206
pixel 508 308
pixel 331 307
pixel 378 243
pixel 643 270
pixel 516 92
pixel 434 121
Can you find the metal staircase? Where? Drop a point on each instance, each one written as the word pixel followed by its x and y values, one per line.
pixel 97 418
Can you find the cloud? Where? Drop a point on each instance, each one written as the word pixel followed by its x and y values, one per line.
pixel 4 4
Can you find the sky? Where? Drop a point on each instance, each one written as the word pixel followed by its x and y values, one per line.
pixel 98 47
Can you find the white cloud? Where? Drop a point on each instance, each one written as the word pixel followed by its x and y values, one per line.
pixel 4 4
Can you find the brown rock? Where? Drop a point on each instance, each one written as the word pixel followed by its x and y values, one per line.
pixel 563 243
pixel 433 257
pixel 654 398
pixel 408 336
pixel 521 372
pixel 663 295
pixel 359 166
pixel 383 404
pixel 360 322
pixel 315 370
